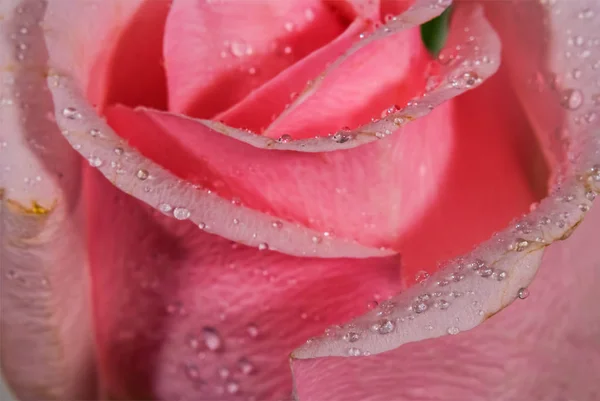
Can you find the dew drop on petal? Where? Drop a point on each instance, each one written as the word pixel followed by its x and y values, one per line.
pixel 386 326
pixel 354 351
pixel 71 113
pixel 252 330
pixel 245 366
pixel 165 207
pixel 95 161
pixel 192 371
pixel 232 387
pixel 285 138
pixel 263 246
pixel 181 213
pixel 277 224
pixel 212 338
pixel 571 99
pixel 142 174
pixel 351 337
pixel 453 330
pixel 523 293
pixel 223 372
pixel 442 304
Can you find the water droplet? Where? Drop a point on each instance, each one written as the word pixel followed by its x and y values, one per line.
pixel 175 307
pixel 277 224
pixel 590 195
pixel 309 14
pixel 485 272
pixel 523 293
pixel 351 337
pixel 252 330
pixel 287 50
pixel 71 113
pixel 421 276
pixel 165 207
pixel 420 307
pixel 316 239
pixel 193 341
pixel 399 121
pixel 372 305
pixel 263 246
pixel 385 326
pixel 354 351
pixel 181 213
pixel 212 338
pixel 94 132
pixel 442 304
pixel 232 387
pixel 246 367
pixel 142 174
pixel 192 371
pixel 240 49
pixel 586 14
pixel 285 138
pixel 390 110
pixel 236 221
pixel 571 99
pixel 223 372
pixel 453 330
pixel 519 245
pixel 118 151
pixel 341 137
pixel 499 275
pixel 289 26
pixel 95 161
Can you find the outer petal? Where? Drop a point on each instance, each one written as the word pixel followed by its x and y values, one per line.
pixel 46 346
pixel 183 314
pixel 546 347
pixel 237 45
pixel 482 283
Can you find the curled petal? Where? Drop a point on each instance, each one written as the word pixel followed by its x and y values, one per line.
pixel 46 348
pixel 182 313
pixel 241 44
pixel 485 281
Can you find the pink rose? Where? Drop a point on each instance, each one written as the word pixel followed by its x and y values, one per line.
pixel 230 212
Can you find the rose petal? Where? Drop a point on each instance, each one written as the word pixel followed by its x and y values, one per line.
pixel 237 45
pixel 366 185
pixel 257 110
pixel 512 256
pixel 163 190
pixel 546 347
pixel 44 284
pixel 182 314
pixel 351 9
pixel 360 88
pixel 129 70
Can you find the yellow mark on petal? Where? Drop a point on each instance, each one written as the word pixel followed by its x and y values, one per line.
pixel 35 209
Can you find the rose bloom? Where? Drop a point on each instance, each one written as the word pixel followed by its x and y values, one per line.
pixel 293 199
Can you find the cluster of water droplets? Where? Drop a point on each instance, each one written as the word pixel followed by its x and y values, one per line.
pixel 211 369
